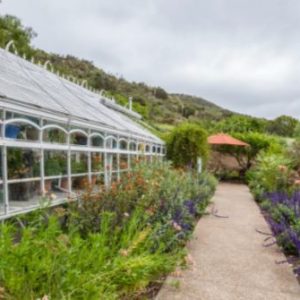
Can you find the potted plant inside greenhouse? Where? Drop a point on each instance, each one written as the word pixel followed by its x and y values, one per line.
pixel 22 164
pixel 97 166
pixel 52 168
pixel 79 167
pixel 55 136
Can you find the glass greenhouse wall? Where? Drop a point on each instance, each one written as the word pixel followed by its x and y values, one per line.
pixel 50 151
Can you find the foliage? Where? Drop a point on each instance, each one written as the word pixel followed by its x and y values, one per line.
pixel 241 124
pixel 271 173
pixel 53 166
pixel 78 166
pixel 258 142
pixel 293 152
pixel 275 185
pixel 185 144
pixel 284 218
pixel 160 93
pixel 283 126
pixel 109 245
pixel 297 131
pixel 11 28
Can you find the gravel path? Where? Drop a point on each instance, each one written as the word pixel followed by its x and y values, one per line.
pixel 227 257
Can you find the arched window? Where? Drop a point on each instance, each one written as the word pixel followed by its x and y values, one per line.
pixel 123 144
pixel 97 141
pixel 132 146
pixel 141 147
pixel 54 134
pixel 147 148
pixel 78 137
pixel 110 142
pixel 153 149
pixel 22 130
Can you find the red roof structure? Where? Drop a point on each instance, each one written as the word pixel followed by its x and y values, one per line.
pixel 225 139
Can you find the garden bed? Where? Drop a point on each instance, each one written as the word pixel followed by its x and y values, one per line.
pixel 275 186
pixel 118 244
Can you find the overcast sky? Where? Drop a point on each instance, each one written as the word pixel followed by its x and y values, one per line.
pixel 241 54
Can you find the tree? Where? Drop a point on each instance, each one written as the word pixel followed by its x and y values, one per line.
pixel 11 28
pixel 160 93
pixel 258 142
pixel 297 131
pixel 186 143
pixel 238 123
pixel 283 126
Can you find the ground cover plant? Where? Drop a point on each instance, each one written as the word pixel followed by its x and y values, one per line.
pixel 274 181
pixel 107 245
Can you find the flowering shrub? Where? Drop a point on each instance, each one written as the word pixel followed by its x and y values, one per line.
pixel 271 173
pixel 110 244
pixel 283 214
pixel 275 185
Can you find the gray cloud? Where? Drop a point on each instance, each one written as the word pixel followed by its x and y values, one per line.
pixel 241 54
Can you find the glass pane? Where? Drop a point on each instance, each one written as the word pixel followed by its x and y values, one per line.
pixel 79 163
pixel 57 188
pixel 24 195
pixel 111 143
pixel 132 146
pixel 123 161
pixel 133 160
pixel 23 163
pixel 123 145
pixel 56 163
pixel 141 147
pixel 98 181
pixel 78 138
pixel 54 135
pixel 115 162
pixel 97 141
pixel 147 148
pixel 12 115
pixel 97 162
pixel 1 163
pixel 50 122
pixel 1 200
pixel 114 177
pixel 79 183
pixel 21 131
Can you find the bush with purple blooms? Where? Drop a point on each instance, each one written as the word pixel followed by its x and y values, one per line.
pixel 275 186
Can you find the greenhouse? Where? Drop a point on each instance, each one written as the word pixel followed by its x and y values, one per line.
pixel 57 135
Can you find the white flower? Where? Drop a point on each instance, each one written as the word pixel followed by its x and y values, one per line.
pixel 53 196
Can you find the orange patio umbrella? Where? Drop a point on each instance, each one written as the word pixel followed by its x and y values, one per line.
pixel 225 139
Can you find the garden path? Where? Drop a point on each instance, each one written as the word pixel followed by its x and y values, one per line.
pixel 227 258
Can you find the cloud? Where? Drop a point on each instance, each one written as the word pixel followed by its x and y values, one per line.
pixel 243 55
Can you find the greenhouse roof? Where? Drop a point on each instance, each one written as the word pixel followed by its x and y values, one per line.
pixel 33 86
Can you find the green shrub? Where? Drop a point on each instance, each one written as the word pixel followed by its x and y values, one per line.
pixel 271 173
pixel 258 142
pixel 185 144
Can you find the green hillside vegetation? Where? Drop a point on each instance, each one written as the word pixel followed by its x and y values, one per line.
pixel 160 110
